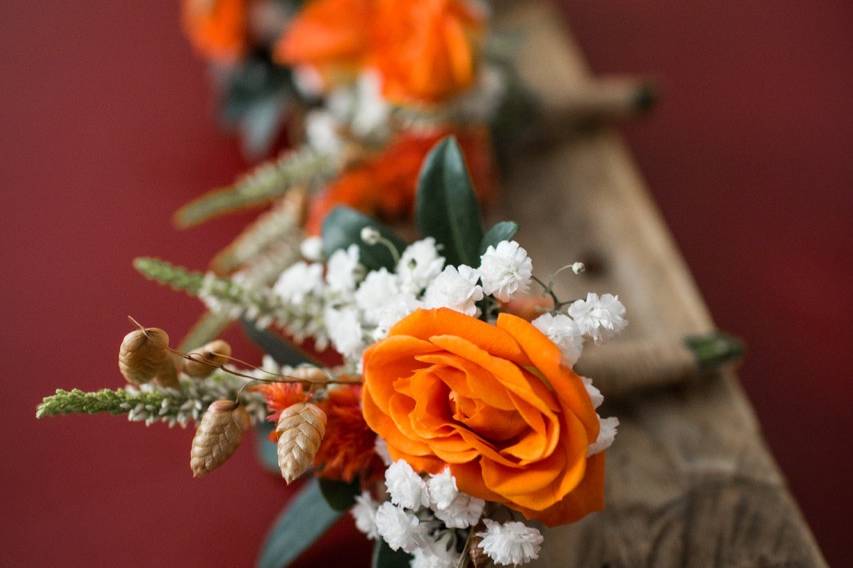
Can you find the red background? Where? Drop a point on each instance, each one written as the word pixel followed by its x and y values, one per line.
pixel 107 128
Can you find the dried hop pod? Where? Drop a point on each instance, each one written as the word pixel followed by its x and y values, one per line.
pixel 144 354
pixel 301 428
pixel 218 436
pixel 203 361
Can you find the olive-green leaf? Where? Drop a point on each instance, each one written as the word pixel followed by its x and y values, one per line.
pixel 500 231
pixel 340 495
pixel 384 557
pixel 305 519
pixel 446 206
pixel 342 228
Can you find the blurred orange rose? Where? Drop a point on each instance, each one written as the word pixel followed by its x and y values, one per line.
pixel 492 402
pixel 333 36
pixel 217 28
pixel 385 185
pixel 425 50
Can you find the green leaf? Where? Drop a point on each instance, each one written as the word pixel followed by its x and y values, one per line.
pixel 265 449
pixel 340 495
pixel 305 519
pixel 446 207
pixel 342 228
pixel 277 347
pixel 384 557
pixel 500 231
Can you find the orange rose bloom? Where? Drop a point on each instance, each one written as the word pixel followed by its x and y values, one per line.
pixel 217 28
pixel 425 50
pixel 333 36
pixel 385 186
pixel 492 402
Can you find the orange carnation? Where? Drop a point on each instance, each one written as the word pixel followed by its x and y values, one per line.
pixel 385 186
pixel 492 402
pixel 333 36
pixel 348 446
pixel 425 50
pixel 217 28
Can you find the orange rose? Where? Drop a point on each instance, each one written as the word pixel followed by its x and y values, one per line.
pixel 333 36
pixel 385 186
pixel 216 28
pixel 492 402
pixel 425 50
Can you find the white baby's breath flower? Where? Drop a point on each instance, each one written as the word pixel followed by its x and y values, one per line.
pixel 381 449
pixel 298 281
pixel 419 264
pixel 599 317
pixel 370 235
pixel 342 270
pixel 506 270
pixel 371 110
pixel 395 308
pixel 578 267
pixel 377 289
pixel 437 554
pixel 442 489
pixel 464 511
pixel 344 329
pixel 312 248
pixel 399 528
pixel 364 513
pixel 595 395
pixel 406 488
pixel 308 80
pixel 321 131
pixel 510 543
pixel 606 434
pixel 564 332
pixel 455 288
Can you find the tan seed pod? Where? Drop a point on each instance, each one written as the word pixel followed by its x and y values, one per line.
pixel 218 436
pixel 142 354
pixel 316 376
pixel 207 358
pixel 301 428
pixel 167 374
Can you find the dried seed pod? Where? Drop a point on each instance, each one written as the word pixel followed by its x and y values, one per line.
pixel 218 436
pixel 205 359
pixel 478 556
pixel 167 374
pixel 301 428
pixel 142 354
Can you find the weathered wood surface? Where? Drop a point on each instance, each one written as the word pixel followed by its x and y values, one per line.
pixel 689 480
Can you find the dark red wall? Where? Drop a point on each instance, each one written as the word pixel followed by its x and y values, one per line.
pixel 105 128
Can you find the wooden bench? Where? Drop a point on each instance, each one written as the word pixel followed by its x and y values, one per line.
pixel 690 481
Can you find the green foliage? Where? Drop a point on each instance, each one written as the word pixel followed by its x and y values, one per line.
pixel 715 349
pixel 265 449
pixel 207 328
pixel 176 277
pixel 342 228
pixel 384 557
pixel 303 166
pixel 277 347
pixel 500 231
pixel 302 522
pixel 340 495
pixel 106 401
pixel 446 206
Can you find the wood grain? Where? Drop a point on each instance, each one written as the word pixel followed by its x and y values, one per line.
pixel 690 481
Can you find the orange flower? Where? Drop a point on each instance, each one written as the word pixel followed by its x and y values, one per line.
pixel 425 50
pixel 333 36
pixel 385 186
pixel 347 448
pixel 217 28
pixel 281 395
pixel 492 402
